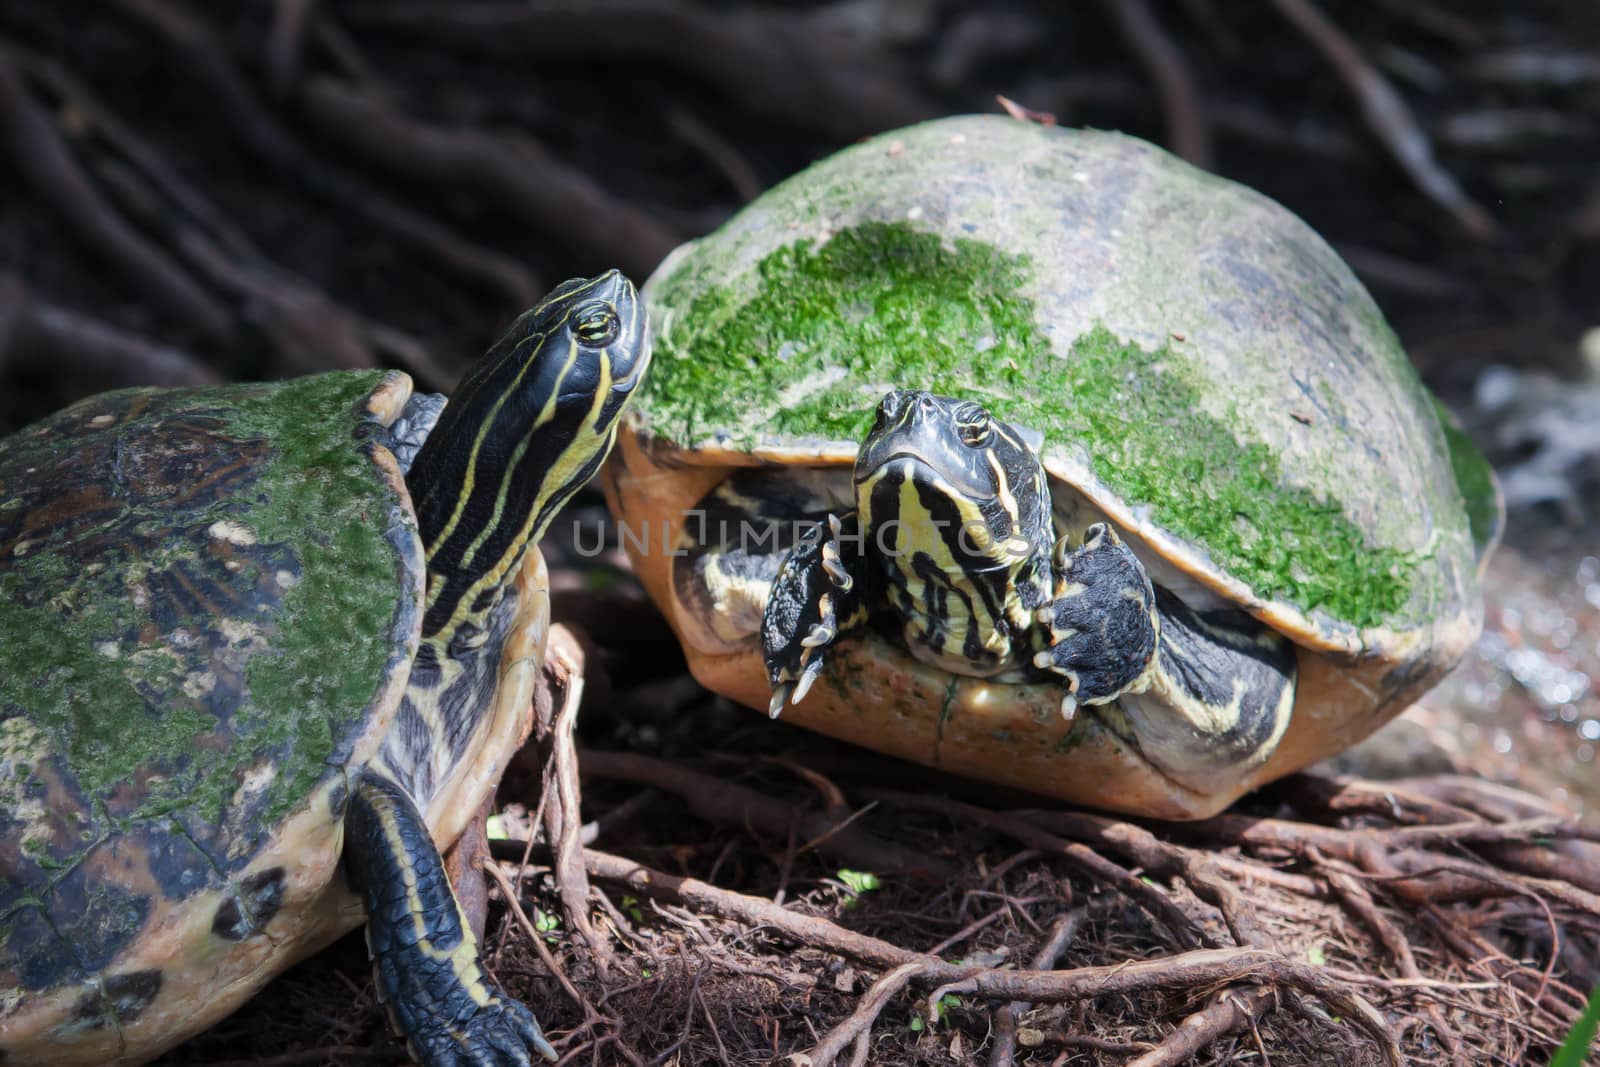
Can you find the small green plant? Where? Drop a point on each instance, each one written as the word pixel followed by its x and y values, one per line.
pixel 631 906
pixel 859 882
pixel 546 924
pixel 1316 955
pixel 946 1002
pixel 1580 1039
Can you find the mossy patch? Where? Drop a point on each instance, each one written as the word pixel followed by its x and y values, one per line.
pixel 1474 478
pixel 831 326
pixel 215 604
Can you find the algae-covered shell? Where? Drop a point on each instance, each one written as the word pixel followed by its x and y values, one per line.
pixel 209 605
pixel 1204 370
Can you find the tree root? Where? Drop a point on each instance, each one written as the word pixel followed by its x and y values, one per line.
pixel 510 171
pixel 1388 117
pixel 1062 932
pixel 1188 133
pixel 35 334
pixel 1200 890
pixel 563 824
pixel 199 56
pixel 726 802
pixel 29 140
pixel 783 66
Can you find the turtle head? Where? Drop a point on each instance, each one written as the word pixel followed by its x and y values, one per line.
pixel 951 461
pixel 528 426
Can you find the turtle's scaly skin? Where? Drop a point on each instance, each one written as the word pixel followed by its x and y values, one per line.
pixel 1207 376
pixel 168 794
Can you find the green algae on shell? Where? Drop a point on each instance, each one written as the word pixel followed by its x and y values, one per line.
pixel 203 594
pixel 1197 358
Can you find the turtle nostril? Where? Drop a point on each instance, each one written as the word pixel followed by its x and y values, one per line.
pixel 890 407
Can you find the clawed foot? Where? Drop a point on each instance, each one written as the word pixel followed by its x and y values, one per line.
pixel 817 595
pixel 1102 623
pixel 424 957
pixel 500 1033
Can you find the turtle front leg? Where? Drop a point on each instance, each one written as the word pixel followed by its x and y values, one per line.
pixel 821 592
pixel 1101 625
pixel 1203 694
pixel 424 956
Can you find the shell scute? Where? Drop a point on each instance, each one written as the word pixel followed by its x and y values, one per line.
pixel 174 568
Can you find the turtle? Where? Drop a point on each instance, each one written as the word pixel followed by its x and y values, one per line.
pixel 1173 515
pixel 265 650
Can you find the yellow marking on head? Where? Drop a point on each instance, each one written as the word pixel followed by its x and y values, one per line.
pixel 563 470
pixel 1008 499
pixel 537 342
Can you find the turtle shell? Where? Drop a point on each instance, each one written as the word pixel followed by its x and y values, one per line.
pixel 1205 372
pixel 209 604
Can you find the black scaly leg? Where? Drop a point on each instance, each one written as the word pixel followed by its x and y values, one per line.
pixel 821 592
pixel 1102 623
pixel 424 957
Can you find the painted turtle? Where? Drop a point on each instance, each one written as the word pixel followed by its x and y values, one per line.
pixel 1275 530
pixel 264 650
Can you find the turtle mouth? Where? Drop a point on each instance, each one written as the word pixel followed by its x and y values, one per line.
pixel 922 466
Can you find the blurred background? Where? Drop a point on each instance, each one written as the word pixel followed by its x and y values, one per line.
pixel 195 192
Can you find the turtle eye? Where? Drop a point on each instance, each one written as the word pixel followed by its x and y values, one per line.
pixel 974 425
pixel 595 323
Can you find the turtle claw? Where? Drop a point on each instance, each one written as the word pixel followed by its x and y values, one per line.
pixel 780 698
pixel 821 634
pixel 502 1033
pixel 793 691
pixel 808 677
pixel 425 961
pixel 832 563
pixel 1101 623
pixel 820 593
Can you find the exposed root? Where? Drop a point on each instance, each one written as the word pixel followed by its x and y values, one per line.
pixel 1062 931
pixel 858 1026
pixel 1228 1012
pixel 1388 117
pixel 1188 133
pixel 726 802
pixel 286 44
pixel 563 820
pixel 198 55
pixel 507 170
pixel 34 149
pixel 35 334
pixel 785 66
